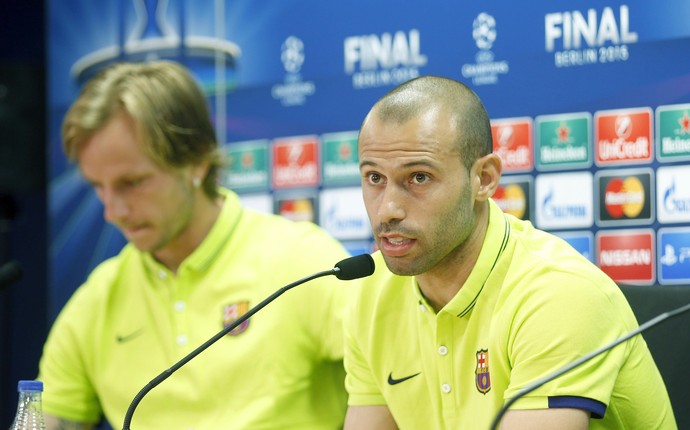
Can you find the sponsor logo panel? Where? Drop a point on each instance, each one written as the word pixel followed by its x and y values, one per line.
pixel 623 136
pixel 582 241
pixel 673 132
pixel 512 140
pixel 514 196
pixel 295 162
pixel 340 162
pixel 673 194
pixel 564 200
pixel 563 141
pixel 674 255
pixel 627 256
pixel 624 197
pixel 247 168
pixel 300 205
pixel 579 38
pixel 343 215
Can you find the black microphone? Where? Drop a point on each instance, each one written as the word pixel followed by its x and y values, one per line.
pixel 538 383
pixel 355 267
pixel 10 273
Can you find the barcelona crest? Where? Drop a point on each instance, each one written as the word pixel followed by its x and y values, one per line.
pixel 483 379
pixel 231 313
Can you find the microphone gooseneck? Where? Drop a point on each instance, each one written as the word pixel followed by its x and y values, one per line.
pixel 355 267
pixel 538 383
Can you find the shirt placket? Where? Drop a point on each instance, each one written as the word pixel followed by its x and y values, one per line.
pixel 444 354
pixel 176 304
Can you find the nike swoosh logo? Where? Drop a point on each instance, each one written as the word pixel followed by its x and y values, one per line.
pixel 393 381
pixel 128 337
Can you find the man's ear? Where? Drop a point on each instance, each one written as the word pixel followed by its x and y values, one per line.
pixel 200 170
pixel 487 171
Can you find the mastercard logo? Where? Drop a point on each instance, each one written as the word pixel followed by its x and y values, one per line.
pixel 511 199
pixel 624 197
pixel 297 210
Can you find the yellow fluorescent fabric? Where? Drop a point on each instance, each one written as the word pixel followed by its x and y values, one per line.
pixel 133 319
pixel 531 305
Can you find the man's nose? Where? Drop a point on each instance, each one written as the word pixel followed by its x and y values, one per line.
pixel 391 207
pixel 114 206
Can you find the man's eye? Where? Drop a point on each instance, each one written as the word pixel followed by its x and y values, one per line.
pixel 420 178
pixel 374 178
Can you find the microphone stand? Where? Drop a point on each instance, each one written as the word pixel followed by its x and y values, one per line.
pixel 654 321
pixel 166 374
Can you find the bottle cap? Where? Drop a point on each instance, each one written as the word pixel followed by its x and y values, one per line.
pixel 30 386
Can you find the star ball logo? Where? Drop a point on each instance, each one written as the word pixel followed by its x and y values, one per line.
pixel 486 69
pixel 484 30
pixel 624 197
pixel 293 91
pixel 292 54
pixel 623 136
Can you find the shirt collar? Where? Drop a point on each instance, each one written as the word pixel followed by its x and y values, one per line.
pixel 495 241
pixel 214 241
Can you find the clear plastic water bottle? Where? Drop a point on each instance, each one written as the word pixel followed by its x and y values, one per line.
pixel 29 408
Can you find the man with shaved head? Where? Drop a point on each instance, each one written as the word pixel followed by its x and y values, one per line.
pixel 469 305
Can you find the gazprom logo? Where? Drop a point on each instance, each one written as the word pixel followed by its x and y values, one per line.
pixel 673 194
pixel 562 211
pixel 564 200
pixel 674 204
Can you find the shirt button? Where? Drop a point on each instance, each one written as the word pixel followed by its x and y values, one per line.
pixel 445 388
pixel 422 308
pixel 180 306
pixel 182 340
pixel 443 350
pixel 162 274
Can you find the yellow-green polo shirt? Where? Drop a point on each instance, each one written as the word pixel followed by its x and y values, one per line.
pixel 133 319
pixel 531 305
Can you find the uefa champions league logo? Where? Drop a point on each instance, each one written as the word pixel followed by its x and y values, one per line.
pixel 293 91
pixel 484 30
pixel 292 54
pixel 485 70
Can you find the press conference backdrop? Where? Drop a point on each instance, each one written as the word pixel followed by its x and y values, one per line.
pixel 589 100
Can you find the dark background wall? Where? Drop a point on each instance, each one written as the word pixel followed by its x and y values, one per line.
pixel 23 218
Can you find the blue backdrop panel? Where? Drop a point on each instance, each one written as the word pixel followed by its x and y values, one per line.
pixel 285 68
